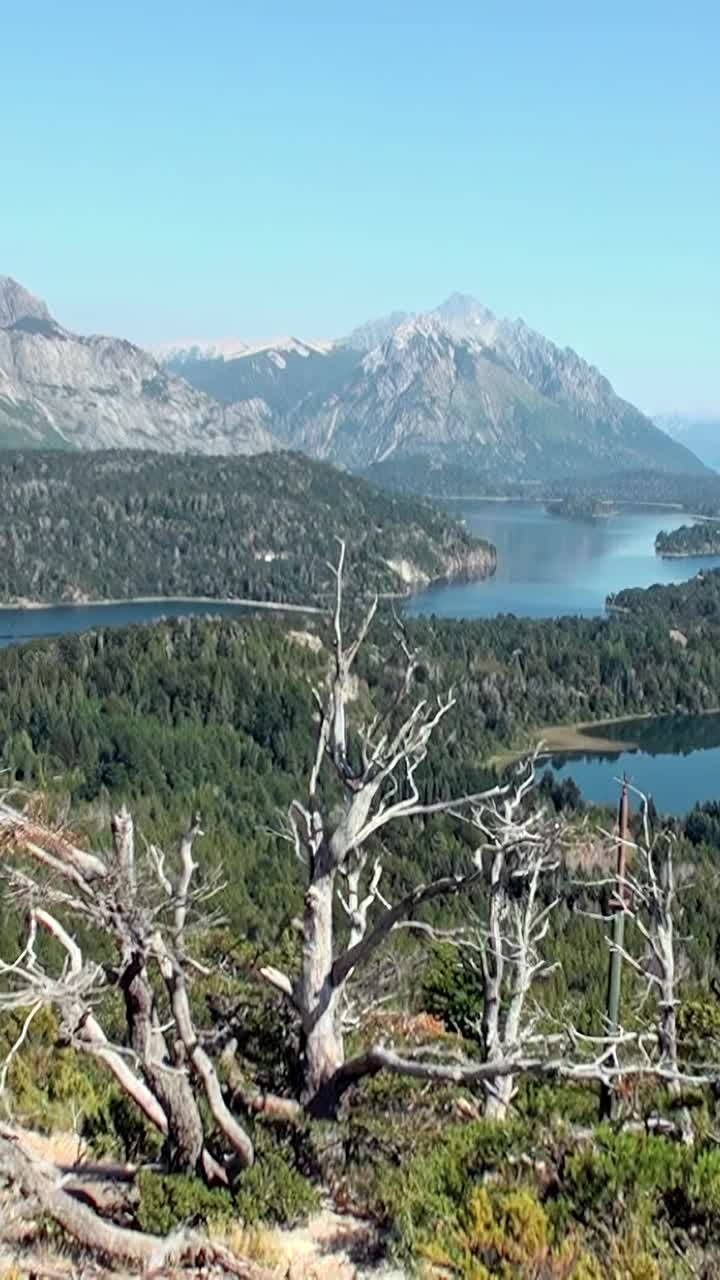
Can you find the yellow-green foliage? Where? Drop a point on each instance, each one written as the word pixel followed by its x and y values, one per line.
pixel 51 1088
pixel 506 1234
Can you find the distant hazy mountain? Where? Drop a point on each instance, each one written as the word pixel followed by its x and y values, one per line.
pixel 58 389
pixel 187 350
pixel 456 386
pixel 697 432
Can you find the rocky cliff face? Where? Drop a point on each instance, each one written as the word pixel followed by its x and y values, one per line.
pixel 469 564
pixel 58 389
pixel 17 304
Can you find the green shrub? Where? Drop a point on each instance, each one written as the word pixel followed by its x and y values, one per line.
pixel 622 1173
pixel 118 1128
pixel 698 1027
pixel 275 1189
pixel 52 1087
pixel 506 1234
pixel 167 1200
pixel 704 1189
pixel 452 990
pixel 417 1197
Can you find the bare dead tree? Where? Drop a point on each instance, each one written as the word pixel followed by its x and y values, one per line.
pixel 144 911
pixel 648 899
pixel 517 854
pixel 380 788
pixel 518 850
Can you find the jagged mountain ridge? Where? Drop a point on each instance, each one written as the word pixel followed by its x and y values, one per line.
pixel 61 390
pixel 452 387
pixel 456 385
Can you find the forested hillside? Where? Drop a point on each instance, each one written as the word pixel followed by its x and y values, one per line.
pixel 685 604
pixel 219 715
pixel 119 525
pixel 220 720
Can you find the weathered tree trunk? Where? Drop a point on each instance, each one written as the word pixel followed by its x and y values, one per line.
pixel 318 998
pixel 498 1098
pixel 185 1137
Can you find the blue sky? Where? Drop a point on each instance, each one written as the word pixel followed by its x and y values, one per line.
pixel 176 169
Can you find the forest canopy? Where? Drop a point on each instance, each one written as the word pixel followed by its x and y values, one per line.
pixel 117 525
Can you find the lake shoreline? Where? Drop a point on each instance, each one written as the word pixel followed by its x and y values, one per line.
pixel 569 739
pixel 33 606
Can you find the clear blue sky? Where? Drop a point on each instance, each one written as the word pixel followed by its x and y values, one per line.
pixel 175 169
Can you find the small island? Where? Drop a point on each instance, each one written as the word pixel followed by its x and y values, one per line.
pixel 702 539
pixel 581 507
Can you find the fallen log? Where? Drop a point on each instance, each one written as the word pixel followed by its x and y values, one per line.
pixel 32 1178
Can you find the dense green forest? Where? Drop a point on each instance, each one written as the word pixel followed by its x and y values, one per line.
pixel 701 539
pixel 220 717
pixel 118 525
pixel 698 494
pixel 694 493
pixel 694 604
pixel 153 711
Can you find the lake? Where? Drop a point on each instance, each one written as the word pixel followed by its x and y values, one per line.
pixel 676 760
pixel 19 625
pixel 549 565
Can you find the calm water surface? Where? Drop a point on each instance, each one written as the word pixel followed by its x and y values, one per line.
pixel 18 625
pixel 549 565
pixel 676 760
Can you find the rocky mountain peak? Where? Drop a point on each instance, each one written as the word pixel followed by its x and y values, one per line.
pixel 17 303
pixel 465 317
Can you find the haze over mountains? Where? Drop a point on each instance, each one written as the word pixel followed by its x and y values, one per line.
pixel 455 386
pixel 698 432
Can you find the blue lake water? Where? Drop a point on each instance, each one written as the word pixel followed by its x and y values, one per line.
pixel 549 565
pixel 675 759
pixel 19 625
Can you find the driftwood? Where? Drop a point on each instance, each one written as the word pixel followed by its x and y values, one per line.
pixel 40 1184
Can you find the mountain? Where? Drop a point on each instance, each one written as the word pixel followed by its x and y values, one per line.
pixel 281 374
pixel 17 304
pixel 698 432
pixel 367 336
pixel 60 390
pixel 187 350
pixel 453 387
